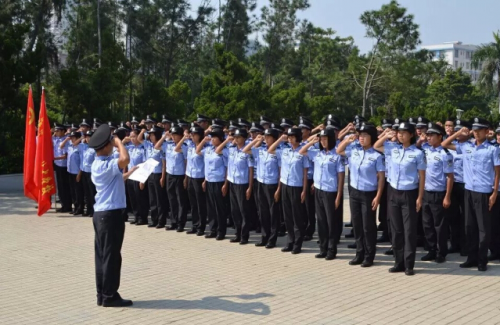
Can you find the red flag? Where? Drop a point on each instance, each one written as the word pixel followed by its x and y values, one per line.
pixel 44 170
pixel 30 190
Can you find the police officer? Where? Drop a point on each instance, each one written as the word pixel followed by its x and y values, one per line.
pixel 203 121
pixel 87 156
pixel 407 179
pixel 437 194
pixel 367 171
pixel 265 122
pixel 306 126
pixel 293 188
pixel 175 167
pixel 240 182
pixel 109 222
pixel 61 168
pixel 382 211
pixel 74 171
pixel 215 177
pixel 329 174
pixel 268 173
pixel 254 205
pixel 481 163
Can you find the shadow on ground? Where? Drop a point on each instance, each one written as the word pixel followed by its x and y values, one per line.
pixel 212 303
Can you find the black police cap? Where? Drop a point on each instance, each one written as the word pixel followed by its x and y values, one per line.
pixel 328 132
pixel 272 132
pixel 177 130
pixel 265 120
pixel 412 121
pixel 217 132
pixel 197 130
pixel 286 123
pixel 256 127
pixel 166 119
pixel 294 132
pixel 305 123
pixel 101 137
pixel 150 119
pixel 75 134
pixel 406 126
pixel 241 133
pixel 480 123
pixel 85 123
pixel 277 127
pixel 155 129
pixel 134 120
pixel 243 122
pixel 58 126
pixel 462 124
pixel 422 122
pixel 202 118
pixel 387 123
pixel 112 125
pixel 89 133
pixel 217 122
pixel 433 128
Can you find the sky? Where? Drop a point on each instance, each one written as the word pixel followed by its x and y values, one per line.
pixel 469 21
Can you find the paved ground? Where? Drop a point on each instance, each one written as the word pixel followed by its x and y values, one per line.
pixel 46 277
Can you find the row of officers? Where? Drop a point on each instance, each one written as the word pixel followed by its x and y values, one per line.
pixel 440 183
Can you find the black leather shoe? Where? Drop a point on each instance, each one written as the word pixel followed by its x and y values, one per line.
pixel 180 229
pixel 383 239
pixel 171 227
pixel 62 210
pixel 389 252
pixel 141 223
pixel 307 238
pixel 409 272
pixel 220 237
pixel 493 257
pixel 396 269
pixel 350 235
pixel 431 256
pixel 159 226
pixel 270 245
pixel 357 260
pixel 296 250
pixel 191 232
pixel 211 235
pixel 331 255
pixel 440 259
pixel 468 264
pixel 117 303
pixel 287 249
pixel 352 246
pixel 261 244
pixel 235 240
pixel 244 242
pixel 320 255
pixel 367 263
pixel 78 212
pixel 152 225
pixel 133 222
pixel 71 211
pixel 200 233
pixel 482 267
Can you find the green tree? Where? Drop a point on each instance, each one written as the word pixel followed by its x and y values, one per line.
pixel 237 25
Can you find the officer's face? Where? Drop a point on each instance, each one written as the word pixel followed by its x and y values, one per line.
pixel 324 141
pixel 498 137
pixel 133 138
pixel 405 137
pixel 448 127
pixel 305 133
pixel 196 137
pixel 292 139
pixel 74 140
pixel 176 138
pixel 240 140
pixel 166 126
pixel 266 126
pixel 365 139
pixel 254 134
pixel 269 140
pixel 434 139
pixel 215 141
pixel 420 131
pixel 59 133
pixel 152 137
pixel 84 128
pixel 203 124
pixel 480 134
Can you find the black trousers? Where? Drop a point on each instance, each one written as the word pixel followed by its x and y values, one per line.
pixel 294 214
pixel 404 226
pixel 178 199
pixel 89 192
pixel 382 212
pixel 138 200
pixel 254 206
pixel 240 209
pixel 310 210
pixel 339 220
pixel 157 200
pixel 388 188
pixel 328 226
pixel 198 201
pixel 76 189
pixel 478 221
pixel 109 229
pixel 63 190
pixel 364 222
pixel 456 218
pixel 435 222
pixel 495 228
pixel 269 212
pixel 217 208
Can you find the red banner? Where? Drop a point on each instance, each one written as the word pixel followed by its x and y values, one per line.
pixel 44 170
pixel 30 190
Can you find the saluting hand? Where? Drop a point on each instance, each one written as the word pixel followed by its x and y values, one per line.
pixel 465 131
pixel 283 138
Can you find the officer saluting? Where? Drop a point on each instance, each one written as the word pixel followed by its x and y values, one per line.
pixel 109 209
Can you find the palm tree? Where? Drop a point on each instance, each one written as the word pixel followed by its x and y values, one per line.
pixel 489 56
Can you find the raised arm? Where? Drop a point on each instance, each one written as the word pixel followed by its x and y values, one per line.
pixel 343 145
pixel 178 146
pixel 304 149
pixel 63 144
pixel 223 145
pixel 379 145
pixel 275 145
pixel 140 137
pixel 159 143
pixel 350 127
pixel 448 142
pixel 254 144
pixel 123 158
pixel 200 147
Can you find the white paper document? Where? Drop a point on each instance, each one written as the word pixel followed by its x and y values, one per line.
pixel 145 169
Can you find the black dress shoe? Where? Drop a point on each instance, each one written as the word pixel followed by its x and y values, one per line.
pixel 468 264
pixel 331 255
pixel 191 232
pixel 261 244
pixel 352 246
pixel 117 303
pixel 152 225
pixel 366 263
pixel 482 267
pixel 220 237
pixel 350 235
pixel 296 250
pixel 270 245
pixel 493 257
pixel 159 226
pixel 431 256
pixel 78 212
pixel 409 272
pixel 440 259
pixel 244 242
pixel 464 254
pixel 307 238
pixel 389 252
pixel 281 234
pixel 71 211
pixel 99 301
pixel 320 255
pixel 180 229
pixel 357 260
pixel 211 235
pixel 382 239
pixel 133 222
pixel 141 223
pixel 396 269
pixel 235 240
pixel 200 233
pixel 287 249
pixel 63 210
pixel 171 227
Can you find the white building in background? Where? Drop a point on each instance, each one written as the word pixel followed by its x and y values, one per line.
pixel 457 55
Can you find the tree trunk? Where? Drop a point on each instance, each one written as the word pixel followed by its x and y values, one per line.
pixel 99 30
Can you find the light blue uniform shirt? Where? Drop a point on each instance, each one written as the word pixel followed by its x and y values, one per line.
pixel 389 145
pixel 458 166
pixel 175 161
pixel 87 156
pixel 157 155
pixel 238 166
pixel 268 165
pixel 58 152
pixel 404 167
pixel 116 153
pixel 439 164
pixel 292 167
pixel 327 165
pixel 310 171
pixel 108 180
pixel 195 164
pixel 137 154
pixel 363 168
pixel 73 160
pixel 215 165
pixel 479 165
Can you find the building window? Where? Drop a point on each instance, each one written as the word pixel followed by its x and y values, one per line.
pixel 467 65
pixel 456 53
pixel 456 64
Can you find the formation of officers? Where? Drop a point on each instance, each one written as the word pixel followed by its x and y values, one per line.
pixel 431 184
